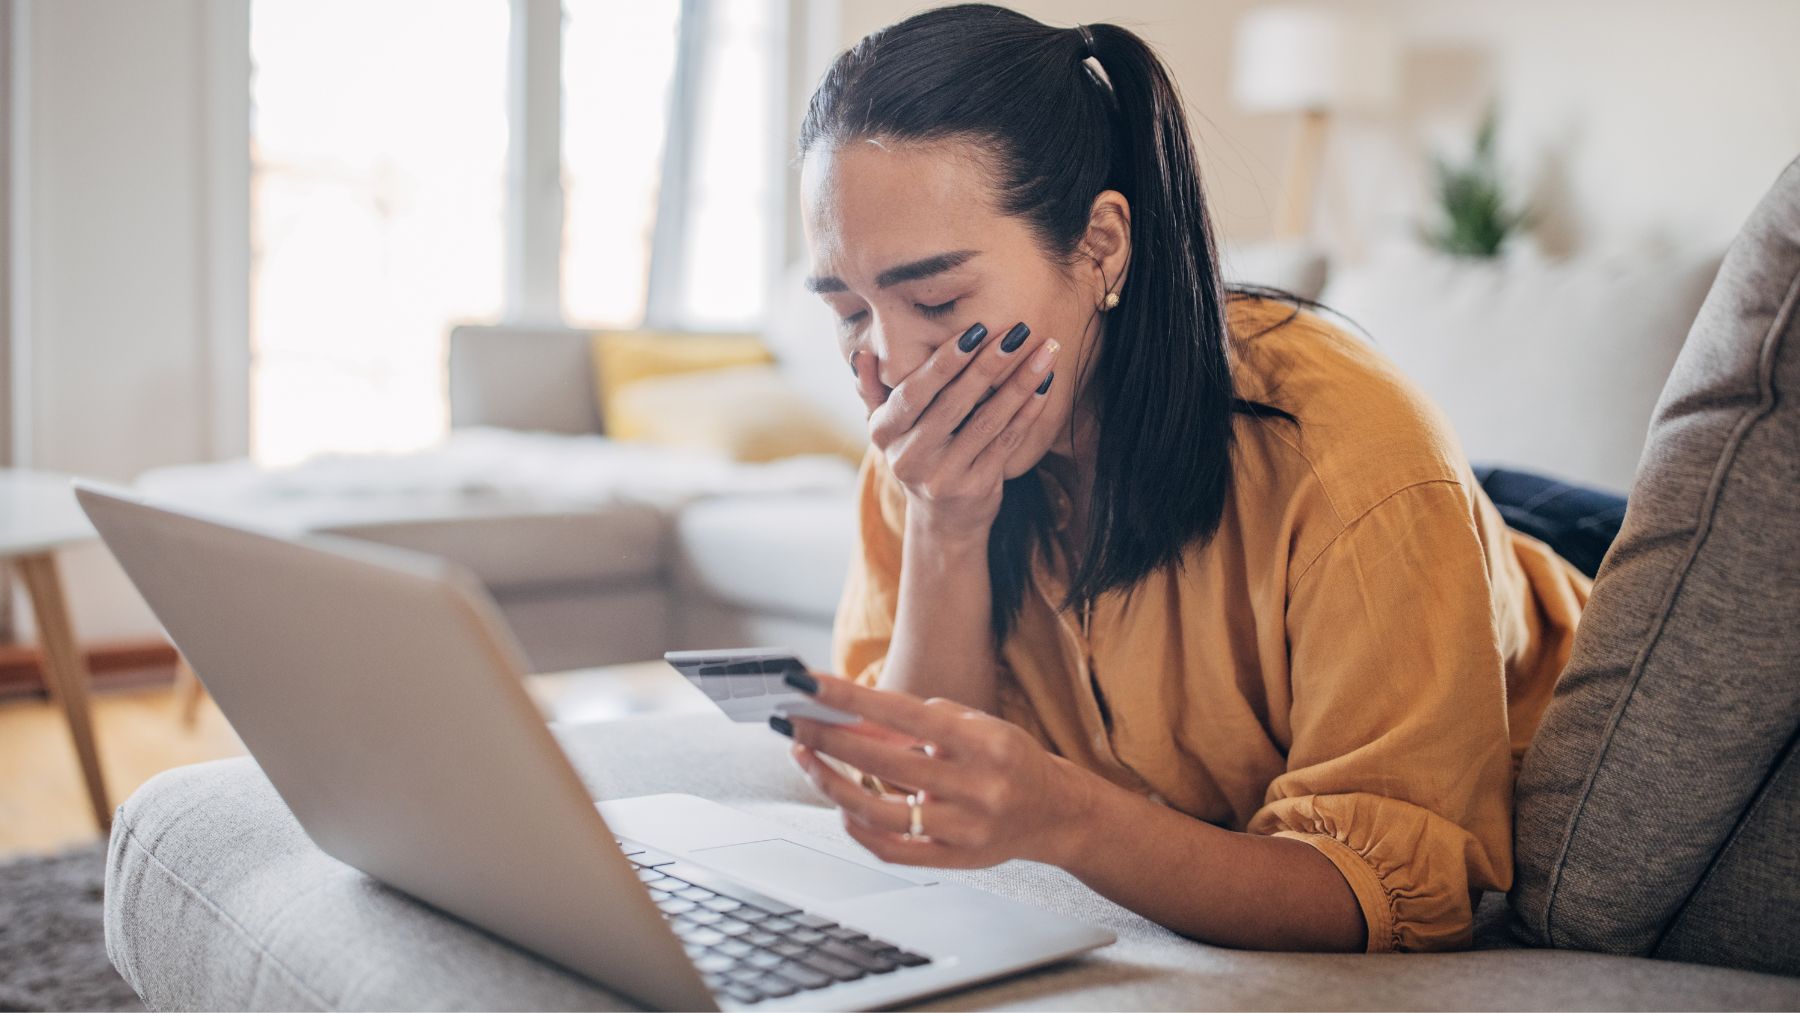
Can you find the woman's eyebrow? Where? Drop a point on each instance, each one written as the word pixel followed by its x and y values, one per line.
pixel 912 271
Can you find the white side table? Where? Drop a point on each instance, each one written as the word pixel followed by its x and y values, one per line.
pixel 39 515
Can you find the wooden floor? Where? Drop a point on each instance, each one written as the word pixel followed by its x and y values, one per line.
pixel 44 807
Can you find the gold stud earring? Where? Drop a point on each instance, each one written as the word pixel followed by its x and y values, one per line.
pixel 1111 301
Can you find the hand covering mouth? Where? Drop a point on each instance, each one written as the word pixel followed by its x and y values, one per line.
pixel 977 407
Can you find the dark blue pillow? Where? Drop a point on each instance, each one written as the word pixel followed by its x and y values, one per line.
pixel 1579 523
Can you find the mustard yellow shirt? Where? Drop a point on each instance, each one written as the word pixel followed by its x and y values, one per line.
pixel 1356 660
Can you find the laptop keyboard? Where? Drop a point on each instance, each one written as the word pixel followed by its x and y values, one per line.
pixel 753 947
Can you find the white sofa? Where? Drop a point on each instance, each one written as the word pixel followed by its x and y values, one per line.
pixel 1552 366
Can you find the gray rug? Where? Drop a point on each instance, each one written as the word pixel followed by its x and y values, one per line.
pixel 52 951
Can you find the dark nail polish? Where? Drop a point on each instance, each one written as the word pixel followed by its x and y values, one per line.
pixel 1042 387
pixel 801 681
pixel 782 725
pixel 1015 337
pixel 971 338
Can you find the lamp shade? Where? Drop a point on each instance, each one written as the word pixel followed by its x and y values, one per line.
pixel 1291 59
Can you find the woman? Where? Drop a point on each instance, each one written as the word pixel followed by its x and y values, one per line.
pixel 1185 591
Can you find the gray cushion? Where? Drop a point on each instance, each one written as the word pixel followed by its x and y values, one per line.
pixel 533 378
pixel 216 900
pixel 785 554
pixel 1750 888
pixel 1683 691
pixel 541 546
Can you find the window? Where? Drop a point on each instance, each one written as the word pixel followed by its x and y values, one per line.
pixel 378 161
pixel 380 198
pixel 725 260
pixel 612 153
pixel 701 131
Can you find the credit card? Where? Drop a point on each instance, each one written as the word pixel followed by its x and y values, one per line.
pixel 746 683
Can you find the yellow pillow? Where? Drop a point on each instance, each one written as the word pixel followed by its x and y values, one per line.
pixel 624 357
pixel 749 412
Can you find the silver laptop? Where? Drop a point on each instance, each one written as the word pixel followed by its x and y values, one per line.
pixel 384 698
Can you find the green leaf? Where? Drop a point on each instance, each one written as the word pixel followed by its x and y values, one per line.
pixel 1473 203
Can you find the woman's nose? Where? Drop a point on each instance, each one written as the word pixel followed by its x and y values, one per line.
pixel 868 385
pixel 894 357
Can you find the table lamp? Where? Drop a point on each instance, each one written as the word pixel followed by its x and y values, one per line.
pixel 1315 62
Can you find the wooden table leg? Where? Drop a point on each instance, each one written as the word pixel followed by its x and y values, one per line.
pixel 65 670
pixel 188 692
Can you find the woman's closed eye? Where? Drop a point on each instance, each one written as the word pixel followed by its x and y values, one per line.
pixel 932 312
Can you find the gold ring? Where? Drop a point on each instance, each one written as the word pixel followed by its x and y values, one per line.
pixel 917 828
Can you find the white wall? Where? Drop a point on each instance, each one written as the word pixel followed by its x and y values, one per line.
pixel 128 270
pixel 1629 119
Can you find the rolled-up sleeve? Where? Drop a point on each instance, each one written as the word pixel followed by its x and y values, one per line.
pixel 1399 765
pixel 863 627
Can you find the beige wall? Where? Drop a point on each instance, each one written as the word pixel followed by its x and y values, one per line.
pixel 1633 121
pixel 121 301
pixel 1241 155
pixel 1629 119
pixel 117 218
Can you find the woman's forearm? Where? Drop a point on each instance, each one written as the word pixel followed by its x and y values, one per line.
pixel 942 644
pixel 1206 882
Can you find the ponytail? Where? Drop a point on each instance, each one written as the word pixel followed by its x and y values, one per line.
pixel 1163 375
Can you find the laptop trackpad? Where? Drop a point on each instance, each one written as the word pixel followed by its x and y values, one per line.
pixel 799 870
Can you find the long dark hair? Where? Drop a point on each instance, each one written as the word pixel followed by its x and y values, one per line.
pixel 1059 132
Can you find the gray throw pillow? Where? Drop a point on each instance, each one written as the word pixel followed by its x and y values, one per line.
pixel 1659 803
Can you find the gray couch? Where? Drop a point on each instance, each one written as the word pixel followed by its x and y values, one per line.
pixel 1657 805
pixel 216 899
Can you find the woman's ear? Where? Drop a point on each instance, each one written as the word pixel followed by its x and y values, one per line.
pixel 1107 245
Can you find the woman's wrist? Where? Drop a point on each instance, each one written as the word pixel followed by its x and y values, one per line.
pixel 943 642
pixel 954 543
pixel 1080 810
